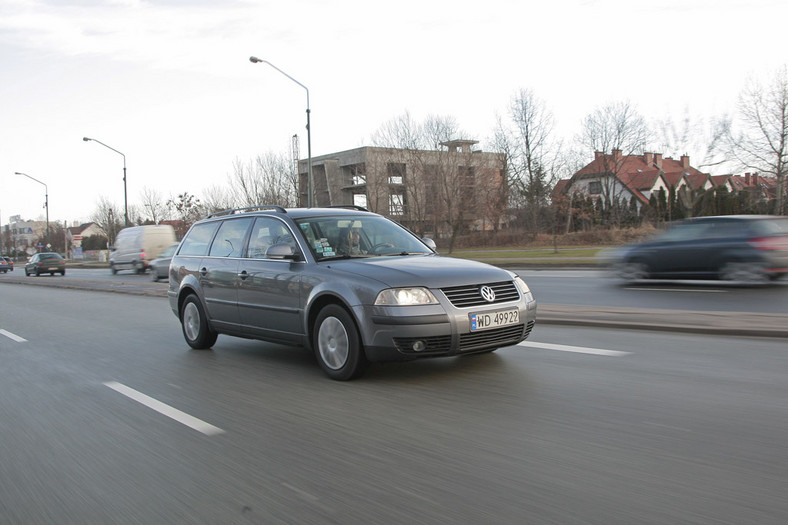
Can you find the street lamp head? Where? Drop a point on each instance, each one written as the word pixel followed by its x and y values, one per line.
pixel 17 173
pixel 254 60
pixel 86 139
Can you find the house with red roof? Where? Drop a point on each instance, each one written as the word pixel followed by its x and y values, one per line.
pixel 617 177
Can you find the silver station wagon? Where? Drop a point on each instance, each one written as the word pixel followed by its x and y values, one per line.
pixel 351 285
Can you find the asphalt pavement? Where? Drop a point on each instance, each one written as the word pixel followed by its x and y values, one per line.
pixel 686 321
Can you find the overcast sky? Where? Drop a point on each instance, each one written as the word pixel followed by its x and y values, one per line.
pixel 169 83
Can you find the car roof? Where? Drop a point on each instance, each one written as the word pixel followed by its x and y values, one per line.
pixel 293 213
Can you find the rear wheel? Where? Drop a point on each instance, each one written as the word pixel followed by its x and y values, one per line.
pixel 338 344
pixel 112 269
pixel 196 331
pixel 747 272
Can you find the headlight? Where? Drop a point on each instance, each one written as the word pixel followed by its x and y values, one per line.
pixel 521 285
pixel 405 297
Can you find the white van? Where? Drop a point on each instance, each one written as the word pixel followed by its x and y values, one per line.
pixel 137 246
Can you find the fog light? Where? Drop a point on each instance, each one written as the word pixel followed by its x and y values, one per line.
pixel 419 346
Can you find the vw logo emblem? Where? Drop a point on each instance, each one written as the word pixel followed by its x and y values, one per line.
pixel 488 294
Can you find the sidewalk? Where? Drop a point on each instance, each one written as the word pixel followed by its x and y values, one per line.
pixel 686 321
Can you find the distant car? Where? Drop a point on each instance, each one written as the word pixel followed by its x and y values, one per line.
pixel 3 265
pixel 10 262
pixel 160 267
pixel 352 285
pixel 50 263
pixel 744 248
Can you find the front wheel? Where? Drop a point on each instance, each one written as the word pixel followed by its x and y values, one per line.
pixel 196 331
pixel 632 271
pixel 338 344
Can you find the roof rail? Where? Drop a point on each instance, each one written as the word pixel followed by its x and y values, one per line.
pixel 348 206
pixel 247 209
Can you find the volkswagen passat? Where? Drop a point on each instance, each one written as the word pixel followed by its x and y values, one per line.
pixel 352 285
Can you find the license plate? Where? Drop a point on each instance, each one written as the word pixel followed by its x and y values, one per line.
pixel 54 269
pixel 483 321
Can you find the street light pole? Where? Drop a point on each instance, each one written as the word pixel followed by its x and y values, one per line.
pixel 125 194
pixel 46 201
pixel 309 190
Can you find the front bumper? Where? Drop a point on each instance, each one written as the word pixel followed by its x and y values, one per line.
pixel 413 332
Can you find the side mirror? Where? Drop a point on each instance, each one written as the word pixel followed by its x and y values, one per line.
pixel 281 251
pixel 430 244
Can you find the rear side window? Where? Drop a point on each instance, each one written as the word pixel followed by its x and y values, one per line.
pixel 198 239
pixel 266 233
pixel 229 242
pixel 774 226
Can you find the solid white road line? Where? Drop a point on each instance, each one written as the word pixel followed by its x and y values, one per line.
pixel 158 406
pixel 683 290
pixel 576 349
pixel 13 337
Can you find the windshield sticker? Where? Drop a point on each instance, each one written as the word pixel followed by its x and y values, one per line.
pixel 323 246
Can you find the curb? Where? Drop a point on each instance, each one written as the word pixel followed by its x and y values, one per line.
pixel 746 324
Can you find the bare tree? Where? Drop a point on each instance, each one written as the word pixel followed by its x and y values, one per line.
pixel 269 179
pixel 620 129
pixel 153 204
pixel 532 154
pixel 694 136
pixel 108 218
pixel 761 141
pixel 218 198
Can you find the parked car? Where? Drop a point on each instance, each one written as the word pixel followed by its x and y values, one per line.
pixel 50 263
pixel 160 267
pixel 136 246
pixel 749 248
pixel 10 263
pixel 4 265
pixel 352 285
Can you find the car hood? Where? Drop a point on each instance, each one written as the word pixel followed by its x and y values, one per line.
pixel 429 271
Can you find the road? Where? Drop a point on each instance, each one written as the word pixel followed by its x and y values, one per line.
pixel 109 418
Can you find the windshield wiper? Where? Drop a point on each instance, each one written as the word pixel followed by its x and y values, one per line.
pixel 342 256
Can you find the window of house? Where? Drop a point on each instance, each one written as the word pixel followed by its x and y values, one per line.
pixel 360 199
pixel 396 173
pixel 595 187
pixel 396 204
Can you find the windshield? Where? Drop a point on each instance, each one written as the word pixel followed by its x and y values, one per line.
pixel 358 236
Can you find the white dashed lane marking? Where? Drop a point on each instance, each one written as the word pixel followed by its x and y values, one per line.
pixel 576 349
pixel 13 337
pixel 164 409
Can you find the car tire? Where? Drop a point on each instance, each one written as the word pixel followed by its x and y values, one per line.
pixel 38 274
pixel 63 273
pixel 743 271
pixel 27 274
pixel 196 329
pixel 112 269
pixel 154 275
pixel 337 344
pixel 632 270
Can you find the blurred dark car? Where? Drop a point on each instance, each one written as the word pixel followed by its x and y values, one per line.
pixel 10 263
pixel 160 267
pixel 5 266
pixel 744 248
pixel 50 263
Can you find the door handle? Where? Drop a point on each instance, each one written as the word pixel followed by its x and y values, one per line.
pixel 203 271
pixel 243 275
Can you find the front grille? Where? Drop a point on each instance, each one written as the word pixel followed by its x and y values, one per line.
pixel 435 345
pixel 495 338
pixel 466 296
